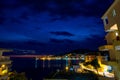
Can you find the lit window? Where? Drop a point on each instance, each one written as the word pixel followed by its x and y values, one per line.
pixel 116 33
pixel 114 12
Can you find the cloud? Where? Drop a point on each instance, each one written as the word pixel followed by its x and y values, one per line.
pixel 93 42
pixel 64 23
pixel 55 8
pixel 21 11
pixel 24 16
pixel 15 20
pixel 62 33
pixel 63 41
pixel 38 28
pixel 71 8
pixel 31 44
pixel 2 20
pixel 34 43
pixel 9 36
pixel 56 41
pixel 57 45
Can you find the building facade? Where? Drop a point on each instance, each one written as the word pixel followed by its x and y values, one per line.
pixel 5 64
pixel 111 20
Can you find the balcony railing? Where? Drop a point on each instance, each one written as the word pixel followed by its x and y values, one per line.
pixel 5 60
pixel 105 47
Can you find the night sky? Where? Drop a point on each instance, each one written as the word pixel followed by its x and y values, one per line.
pixel 52 26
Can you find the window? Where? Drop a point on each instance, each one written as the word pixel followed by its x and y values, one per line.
pixel 114 12
pixel 116 33
pixel 118 38
pixel 105 20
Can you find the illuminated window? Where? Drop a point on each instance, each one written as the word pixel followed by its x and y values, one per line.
pixel 114 12
pixel 116 33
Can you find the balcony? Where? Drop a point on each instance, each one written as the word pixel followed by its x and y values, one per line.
pixel 105 47
pixel 5 60
pixel 111 28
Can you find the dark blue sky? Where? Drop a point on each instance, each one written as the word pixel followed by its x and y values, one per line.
pixel 52 25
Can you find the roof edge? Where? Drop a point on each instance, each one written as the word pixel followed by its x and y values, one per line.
pixel 113 4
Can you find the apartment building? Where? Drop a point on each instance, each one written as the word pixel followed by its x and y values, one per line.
pixel 5 64
pixel 111 20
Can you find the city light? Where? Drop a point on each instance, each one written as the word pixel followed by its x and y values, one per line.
pixel 43 58
pixel 66 68
pixel 116 33
pixel 3 66
pixel 104 70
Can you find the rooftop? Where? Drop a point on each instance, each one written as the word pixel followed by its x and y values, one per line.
pixel 111 7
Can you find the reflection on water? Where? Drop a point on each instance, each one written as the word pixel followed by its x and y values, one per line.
pixel 52 63
pixel 56 63
pixel 38 69
pixel 36 63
